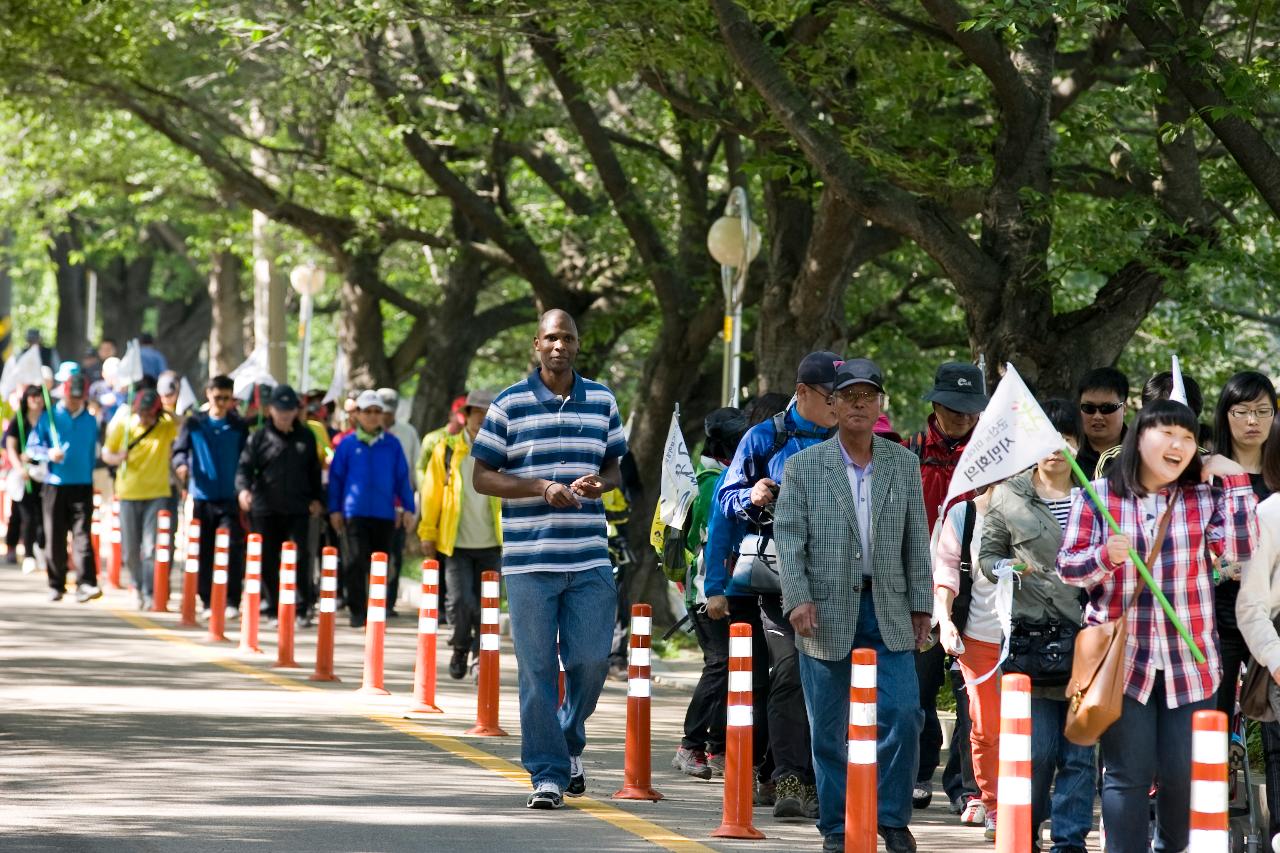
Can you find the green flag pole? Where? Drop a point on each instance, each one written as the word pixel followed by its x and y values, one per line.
pixel 1137 561
pixel 48 407
pixel 22 435
pixel 124 463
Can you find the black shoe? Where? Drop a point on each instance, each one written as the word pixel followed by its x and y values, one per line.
pixel 789 800
pixel 921 795
pixel 391 614
pixel 357 621
pixel 547 796
pixel 810 801
pixel 458 665
pixel 577 777
pixel 833 843
pixel 897 839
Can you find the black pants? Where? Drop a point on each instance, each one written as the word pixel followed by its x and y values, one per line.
pixel 619 649
pixel 957 777
pixel 212 515
pixel 25 522
pixel 395 560
pixel 931 673
pixel 463 568
pixel 704 720
pixel 69 509
pixel 363 537
pixel 275 530
pixel 1235 654
pixel 788 719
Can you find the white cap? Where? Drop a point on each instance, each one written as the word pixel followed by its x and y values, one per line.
pixel 369 400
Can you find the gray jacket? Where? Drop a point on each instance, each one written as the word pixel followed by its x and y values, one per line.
pixel 1019 525
pixel 819 549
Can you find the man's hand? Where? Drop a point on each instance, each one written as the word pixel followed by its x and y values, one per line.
pixel 316 508
pixel 1118 550
pixel 57 454
pixel 590 486
pixel 182 472
pixel 921 626
pixel 337 521
pixel 762 494
pixel 246 500
pixel 717 606
pixel 561 496
pixel 429 549
pixel 804 618
pixel 404 519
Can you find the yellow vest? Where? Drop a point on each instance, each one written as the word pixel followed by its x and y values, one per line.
pixel 442 495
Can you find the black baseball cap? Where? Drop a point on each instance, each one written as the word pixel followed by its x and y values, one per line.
pixel 75 385
pixel 818 368
pixel 859 370
pixel 147 401
pixel 284 398
pixel 959 387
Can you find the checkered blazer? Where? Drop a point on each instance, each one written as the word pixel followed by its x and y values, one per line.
pixel 819 551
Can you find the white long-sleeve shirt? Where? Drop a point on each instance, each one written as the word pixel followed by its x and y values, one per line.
pixel 1259 599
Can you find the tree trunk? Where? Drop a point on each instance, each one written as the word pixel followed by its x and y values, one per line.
pixel 71 339
pixel 451 346
pixel 123 296
pixel 227 314
pixel 183 330
pixel 360 325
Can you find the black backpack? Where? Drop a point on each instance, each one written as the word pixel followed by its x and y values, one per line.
pixel 960 604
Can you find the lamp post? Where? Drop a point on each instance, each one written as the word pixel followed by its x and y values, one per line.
pixel 734 242
pixel 308 280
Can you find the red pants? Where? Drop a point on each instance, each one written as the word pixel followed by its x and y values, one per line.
pixel 984 715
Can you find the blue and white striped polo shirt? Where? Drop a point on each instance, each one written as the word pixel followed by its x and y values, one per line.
pixel 531 432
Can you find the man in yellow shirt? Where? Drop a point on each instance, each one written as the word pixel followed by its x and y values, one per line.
pixel 139 444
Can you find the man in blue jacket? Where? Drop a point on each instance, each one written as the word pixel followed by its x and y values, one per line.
pixel 369 496
pixel 68 493
pixel 205 458
pixel 747 495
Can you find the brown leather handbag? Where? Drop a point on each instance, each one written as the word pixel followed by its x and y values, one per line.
pixel 1095 693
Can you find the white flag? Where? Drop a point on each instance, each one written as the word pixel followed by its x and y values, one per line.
pixel 186 397
pixel 679 485
pixel 1012 435
pixel 253 371
pixel 23 370
pixel 130 368
pixel 1179 390
pixel 338 384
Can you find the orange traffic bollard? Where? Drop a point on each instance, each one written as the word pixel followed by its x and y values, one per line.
pixel 164 556
pixel 738 771
pixel 424 674
pixel 286 606
pixel 191 575
pixel 1209 789
pixel 487 693
pixel 251 606
pixel 1013 791
pixel 860 803
pixel 328 607
pixel 117 558
pixel 218 597
pixel 375 630
pixel 637 780
pixel 95 522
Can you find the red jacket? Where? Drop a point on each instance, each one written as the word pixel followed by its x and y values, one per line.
pixel 938 456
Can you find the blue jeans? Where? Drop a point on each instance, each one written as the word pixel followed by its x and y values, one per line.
pixel 581 607
pixel 899 720
pixel 1069 769
pixel 138 541
pixel 1148 741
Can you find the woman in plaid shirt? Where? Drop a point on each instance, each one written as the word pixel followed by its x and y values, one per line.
pixel 1158 466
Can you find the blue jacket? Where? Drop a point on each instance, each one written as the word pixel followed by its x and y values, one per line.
pixel 211 453
pixel 78 438
pixel 366 479
pixel 751 463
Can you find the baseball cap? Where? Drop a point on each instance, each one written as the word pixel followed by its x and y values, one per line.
pixel 818 368
pixel 147 401
pixel 480 399
pixel 167 384
pixel 390 398
pixel 859 370
pixel 284 398
pixel 65 370
pixel 370 400
pixel 958 386
pixel 75 386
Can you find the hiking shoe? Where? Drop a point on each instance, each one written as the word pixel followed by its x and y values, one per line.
pixel 577 777
pixel 789 798
pixel 763 793
pixel 811 801
pixel 458 665
pixel 897 839
pixel 617 671
pixel 691 762
pixel 87 592
pixel 975 813
pixel 55 595
pixel 545 796
pixel 833 843
pixel 921 795
pixel 716 763
pixel 989 830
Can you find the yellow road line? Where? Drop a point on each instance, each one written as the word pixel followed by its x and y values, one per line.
pixel 655 834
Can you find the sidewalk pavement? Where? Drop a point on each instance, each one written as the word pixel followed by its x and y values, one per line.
pixel 125 732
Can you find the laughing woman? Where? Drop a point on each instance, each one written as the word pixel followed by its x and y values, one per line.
pixel 1159 472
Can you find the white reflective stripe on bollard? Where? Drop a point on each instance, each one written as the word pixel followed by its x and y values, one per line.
pixel 328 605
pixel 431 577
pixel 862 752
pixel 488 616
pixel 1209 747
pixel 220 576
pixel 222 540
pixel 1209 797
pixel 739 681
pixel 377 613
pixel 739 715
pixel 862 713
pixel 378 590
pixel 428 624
pixel 638 687
pixel 431 601
pixel 288 596
pixel 252 586
pixel 739 647
pixel 640 657
pixel 254 548
pixel 641 625
pixel 328 583
pixel 488 589
pixel 288 575
pixel 1015 705
pixel 1012 791
pixel 862 676
pixel 489 642
pixel 1015 747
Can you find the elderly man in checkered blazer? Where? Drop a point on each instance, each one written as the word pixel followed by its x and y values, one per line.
pixel 853 555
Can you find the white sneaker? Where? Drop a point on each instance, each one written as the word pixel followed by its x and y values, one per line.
pixel 577 777
pixel 546 796
pixel 28 565
pixel 975 813
pixel 232 613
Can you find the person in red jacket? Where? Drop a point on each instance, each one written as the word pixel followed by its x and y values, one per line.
pixel 958 397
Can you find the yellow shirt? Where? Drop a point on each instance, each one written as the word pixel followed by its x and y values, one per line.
pixel 144 475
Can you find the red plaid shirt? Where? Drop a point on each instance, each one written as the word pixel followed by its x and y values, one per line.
pixel 1222 518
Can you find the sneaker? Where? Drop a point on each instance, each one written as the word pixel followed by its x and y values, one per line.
pixel 475 672
pixel 303 620
pixel 55 595
pixel 957 805
pixel 617 671
pixel 232 613
pixel 146 602
pixel 87 592
pixel 789 801
pixel 833 843
pixel 897 839
pixel 691 762
pixel 577 777
pixel 811 801
pixel 545 796
pixel 989 830
pixel 28 565
pixel 975 814
pixel 716 763
pixel 763 793
pixel 458 665
pixel 921 795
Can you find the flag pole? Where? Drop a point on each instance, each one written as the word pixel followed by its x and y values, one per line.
pixel 1133 555
pixel 22 437
pixel 48 407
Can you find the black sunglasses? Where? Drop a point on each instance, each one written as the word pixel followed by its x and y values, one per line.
pixel 1104 408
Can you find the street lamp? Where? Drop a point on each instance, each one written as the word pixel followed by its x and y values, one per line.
pixel 308 280
pixel 734 242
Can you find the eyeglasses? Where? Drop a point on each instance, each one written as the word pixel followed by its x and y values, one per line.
pixel 1262 413
pixel 851 396
pixel 1104 408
